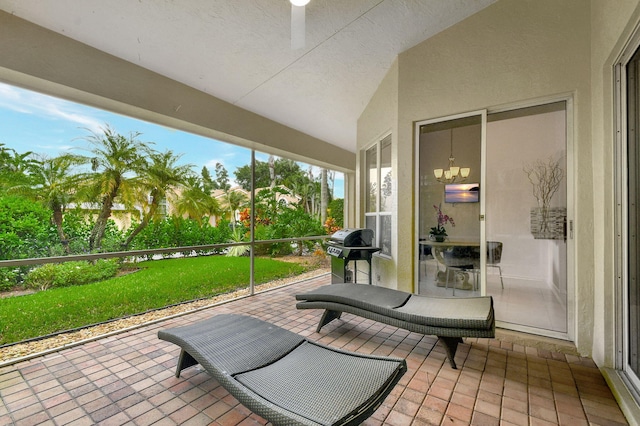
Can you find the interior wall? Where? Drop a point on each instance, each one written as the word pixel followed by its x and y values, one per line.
pixel 513 144
pixel 42 60
pixel 434 153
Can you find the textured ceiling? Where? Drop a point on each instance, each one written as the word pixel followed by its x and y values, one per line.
pixel 240 50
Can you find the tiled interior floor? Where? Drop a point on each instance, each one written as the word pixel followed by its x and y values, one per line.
pixel 522 302
pixel 128 379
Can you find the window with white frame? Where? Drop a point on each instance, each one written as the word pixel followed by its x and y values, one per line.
pixel 378 193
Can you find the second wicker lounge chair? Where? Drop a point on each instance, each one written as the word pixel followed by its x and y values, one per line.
pixel 450 319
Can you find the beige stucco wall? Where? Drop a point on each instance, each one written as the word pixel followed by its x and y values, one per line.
pixel 612 28
pixel 41 60
pixel 378 120
pixel 510 52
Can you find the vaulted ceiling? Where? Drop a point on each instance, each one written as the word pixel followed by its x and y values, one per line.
pixel 240 50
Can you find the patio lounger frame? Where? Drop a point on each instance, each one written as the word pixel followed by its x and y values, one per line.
pixel 282 376
pixel 450 319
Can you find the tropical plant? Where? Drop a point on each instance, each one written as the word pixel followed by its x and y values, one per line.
pixel 336 211
pixel 238 235
pixel 159 179
pixel 25 232
pixel 14 167
pixel 25 229
pixel 53 184
pixel 295 222
pixel 233 201
pixel 306 189
pixel 115 161
pixel 176 231
pixel 281 172
pixel 195 201
pixel 442 219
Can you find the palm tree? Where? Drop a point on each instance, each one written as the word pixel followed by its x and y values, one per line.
pixel 324 195
pixel 14 167
pixel 195 201
pixel 233 201
pixel 53 184
pixel 304 188
pixel 159 179
pixel 116 160
pixel 50 181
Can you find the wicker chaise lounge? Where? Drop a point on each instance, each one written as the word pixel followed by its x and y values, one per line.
pixel 450 319
pixel 282 376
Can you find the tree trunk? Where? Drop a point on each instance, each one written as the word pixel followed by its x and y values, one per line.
pixel 57 220
pixel 272 171
pixel 324 196
pixel 146 218
pixel 95 239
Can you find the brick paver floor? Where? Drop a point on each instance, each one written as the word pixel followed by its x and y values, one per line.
pixel 128 378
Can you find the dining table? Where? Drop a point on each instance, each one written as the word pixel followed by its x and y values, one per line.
pixel 459 258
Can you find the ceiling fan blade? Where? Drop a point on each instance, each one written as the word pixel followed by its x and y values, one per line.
pixel 297 27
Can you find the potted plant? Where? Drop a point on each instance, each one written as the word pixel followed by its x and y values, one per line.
pixel 439 233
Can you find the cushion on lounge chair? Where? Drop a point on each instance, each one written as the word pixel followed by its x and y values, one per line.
pixel 284 377
pixel 448 318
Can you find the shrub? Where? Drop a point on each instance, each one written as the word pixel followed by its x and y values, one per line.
pixel 238 236
pixel 179 232
pixel 8 278
pixel 68 274
pixel 336 211
pixel 295 223
pixel 25 229
pixel 77 227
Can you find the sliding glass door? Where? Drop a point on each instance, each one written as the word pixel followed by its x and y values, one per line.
pixel 492 213
pixel 631 288
pixel 449 157
pixel 526 218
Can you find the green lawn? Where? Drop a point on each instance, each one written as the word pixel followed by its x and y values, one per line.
pixel 157 284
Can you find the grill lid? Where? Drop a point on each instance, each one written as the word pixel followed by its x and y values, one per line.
pixel 353 237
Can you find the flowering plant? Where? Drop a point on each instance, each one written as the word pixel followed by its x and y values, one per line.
pixel 442 220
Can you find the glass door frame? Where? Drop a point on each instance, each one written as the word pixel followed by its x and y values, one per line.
pixel 570 194
pixel 622 226
pixel 570 201
pixel 483 152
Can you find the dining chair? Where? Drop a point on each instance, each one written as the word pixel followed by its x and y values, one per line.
pixel 494 255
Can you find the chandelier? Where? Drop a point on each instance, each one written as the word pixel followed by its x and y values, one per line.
pixel 453 173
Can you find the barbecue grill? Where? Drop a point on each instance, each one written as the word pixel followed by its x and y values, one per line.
pixel 349 245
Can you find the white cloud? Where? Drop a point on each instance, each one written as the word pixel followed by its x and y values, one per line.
pixel 28 102
pixel 211 164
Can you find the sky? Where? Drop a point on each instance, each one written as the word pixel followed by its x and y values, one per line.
pixel 31 121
